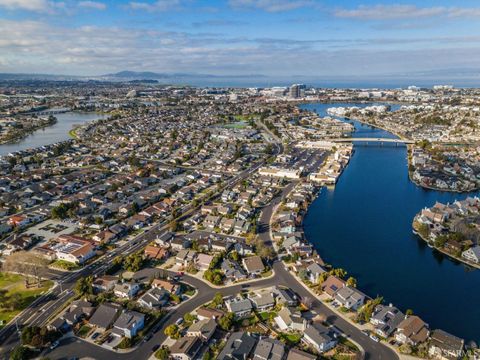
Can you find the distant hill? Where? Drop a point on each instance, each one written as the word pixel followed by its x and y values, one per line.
pixel 148 75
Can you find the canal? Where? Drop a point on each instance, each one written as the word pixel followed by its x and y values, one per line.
pixel 51 134
pixel 364 226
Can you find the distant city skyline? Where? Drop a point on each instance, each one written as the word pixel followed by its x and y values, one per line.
pixel 366 39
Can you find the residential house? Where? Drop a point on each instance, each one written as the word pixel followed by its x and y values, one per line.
pixel 262 300
pixel 203 329
pixel 169 286
pixel 207 313
pixel 104 316
pixel 286 296
pixel 319 337
pixel 232 270
pixel 296 354
pixel 386 319
pixel 412 330
pixel 240 307
pixel 239 346
pixel 253 265
pixel 314 272
pixel 78 310
pixel 331 285
pixel 126 290
pixel 184 256
pixel 269 349
pixel 128 324
pixel 290 318
pixel 104 283
pixel 349 298
pixel 472 254
pixel 186 348
pixel 203 261
pixel 445 346
pixel 156 252
pixel 154 298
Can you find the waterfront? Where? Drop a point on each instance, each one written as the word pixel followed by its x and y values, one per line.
pixel 51 134
pixel 364 226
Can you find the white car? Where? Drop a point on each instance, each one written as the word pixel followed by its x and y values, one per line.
pixel 374 338
pixel 54 345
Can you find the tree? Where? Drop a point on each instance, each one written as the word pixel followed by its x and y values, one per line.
pixel 172 331
pixel 189 318
pixel 234 255
pixel 340 273
pixel 366 311
pixel 217 299
pixel 133 262
pixel 409 312
pixel 226 321
pixel 84 286
pixel 20 353
pixel 352 282
pixel 163 353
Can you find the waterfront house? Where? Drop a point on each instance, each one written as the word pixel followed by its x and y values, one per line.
pixel 472 254
pixel 314 272
pixel 349 297
pixel 445 346
pixel 332 284
pixel 386 319
pixel 319 337
pixel 412 330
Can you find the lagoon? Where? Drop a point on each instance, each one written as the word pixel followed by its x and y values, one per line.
pixel 364 226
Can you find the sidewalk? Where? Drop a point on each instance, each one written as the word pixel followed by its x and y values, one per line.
pixel 346 318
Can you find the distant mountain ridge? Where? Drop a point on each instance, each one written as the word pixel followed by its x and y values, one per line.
pixel 155 76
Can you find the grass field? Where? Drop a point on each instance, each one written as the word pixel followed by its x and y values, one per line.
pixel 15 284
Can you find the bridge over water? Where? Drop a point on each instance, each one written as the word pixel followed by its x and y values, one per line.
pixel 373 140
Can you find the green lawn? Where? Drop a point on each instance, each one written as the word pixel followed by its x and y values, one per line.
pixel 15 286
pixel 84 330
pixel 65 265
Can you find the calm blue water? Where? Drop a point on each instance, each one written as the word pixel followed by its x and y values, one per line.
pixel 51 134
pixel 364 226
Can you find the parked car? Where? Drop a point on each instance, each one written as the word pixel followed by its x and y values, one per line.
pixel 155 348
pixel 374 338
pixel 54 345
pixel 179 321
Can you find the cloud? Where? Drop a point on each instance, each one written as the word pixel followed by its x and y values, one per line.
pixel 42 47
pixel 30 5
pixel 270 5
pixel 92 5
pixel 218 22
pixel 159 5
pixel 391 12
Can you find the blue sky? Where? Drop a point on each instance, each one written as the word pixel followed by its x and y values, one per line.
pixel 369 39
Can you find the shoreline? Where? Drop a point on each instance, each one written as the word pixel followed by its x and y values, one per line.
pixel 23 136
pixel 449 255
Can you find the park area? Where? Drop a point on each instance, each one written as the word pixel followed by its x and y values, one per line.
pixel 16 295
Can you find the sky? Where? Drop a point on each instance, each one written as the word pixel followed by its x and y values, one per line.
pixel 277 38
